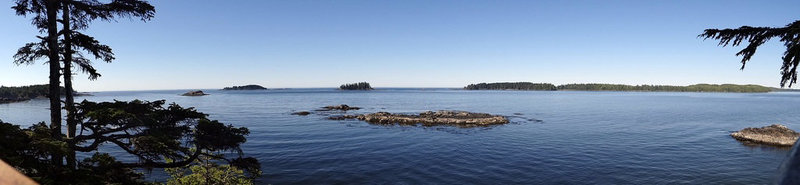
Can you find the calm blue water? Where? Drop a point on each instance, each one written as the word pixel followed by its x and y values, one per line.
pixel 583 137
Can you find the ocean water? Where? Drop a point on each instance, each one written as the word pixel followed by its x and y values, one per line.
pixel 555 137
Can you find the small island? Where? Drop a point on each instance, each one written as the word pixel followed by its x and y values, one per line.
pixel 528 86
pixel 246 87
pixel 356 86
pixel 194 93
pixel 430 118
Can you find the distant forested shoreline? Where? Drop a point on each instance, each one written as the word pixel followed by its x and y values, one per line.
pixel 22 93
pixel 512 86
pixel 529 86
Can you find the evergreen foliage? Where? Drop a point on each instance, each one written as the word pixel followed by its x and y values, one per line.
pixel 207 172
pixel 356 86
pixel 158 136
pixel 528 86
pixel 755 37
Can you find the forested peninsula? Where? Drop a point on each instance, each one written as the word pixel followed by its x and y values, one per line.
pixel 22 93
pixel 528 86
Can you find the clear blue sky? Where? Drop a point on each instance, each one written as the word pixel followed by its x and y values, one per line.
pixel 417 43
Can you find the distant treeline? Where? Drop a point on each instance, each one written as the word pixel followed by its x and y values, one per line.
pixel 512 86
pixel 356 86
pixel 22 93
pixel 619 87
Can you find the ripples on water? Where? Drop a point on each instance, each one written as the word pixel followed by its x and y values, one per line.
pixel 554 138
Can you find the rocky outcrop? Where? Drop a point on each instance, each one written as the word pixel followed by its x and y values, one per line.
pixel 341 107
pixel 194 93
pixel 776 134
pixel 430 118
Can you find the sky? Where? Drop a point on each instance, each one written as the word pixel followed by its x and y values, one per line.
pixel 198 44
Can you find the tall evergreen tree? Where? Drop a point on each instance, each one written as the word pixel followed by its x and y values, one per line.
pixel 755 37
pixel 76 15
pixel 44 14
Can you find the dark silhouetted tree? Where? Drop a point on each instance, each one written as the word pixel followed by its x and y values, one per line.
pixel 76 15
pixel 44 14
pixel 157 135
pixel 755 37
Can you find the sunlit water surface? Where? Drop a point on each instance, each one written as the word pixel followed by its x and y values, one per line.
pixel 581 138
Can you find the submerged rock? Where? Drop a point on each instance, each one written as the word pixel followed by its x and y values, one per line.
pixel 342 107
pixel 301 113
pixel 431 118
pixel 194 93
pixel 776 134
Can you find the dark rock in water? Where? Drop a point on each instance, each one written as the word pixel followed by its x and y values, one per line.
pixel 341 107
pixel 246 87
pixel 301 113
pixel 194 93
pixel 343 117
pixel 776 134
pixel 430 118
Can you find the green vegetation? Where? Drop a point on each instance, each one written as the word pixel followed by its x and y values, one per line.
pixel 618 87
pixel 206 172
pixel 246 87
pixel 528 86
pixel 356 86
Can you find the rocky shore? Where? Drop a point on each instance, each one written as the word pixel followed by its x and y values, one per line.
pixel 776 134
pixel 430 118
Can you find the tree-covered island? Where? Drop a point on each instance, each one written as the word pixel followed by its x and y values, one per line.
pixel 246 87
pixel 356 86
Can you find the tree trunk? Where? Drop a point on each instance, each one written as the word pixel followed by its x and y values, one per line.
pixel 69 101
pixel 55 69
